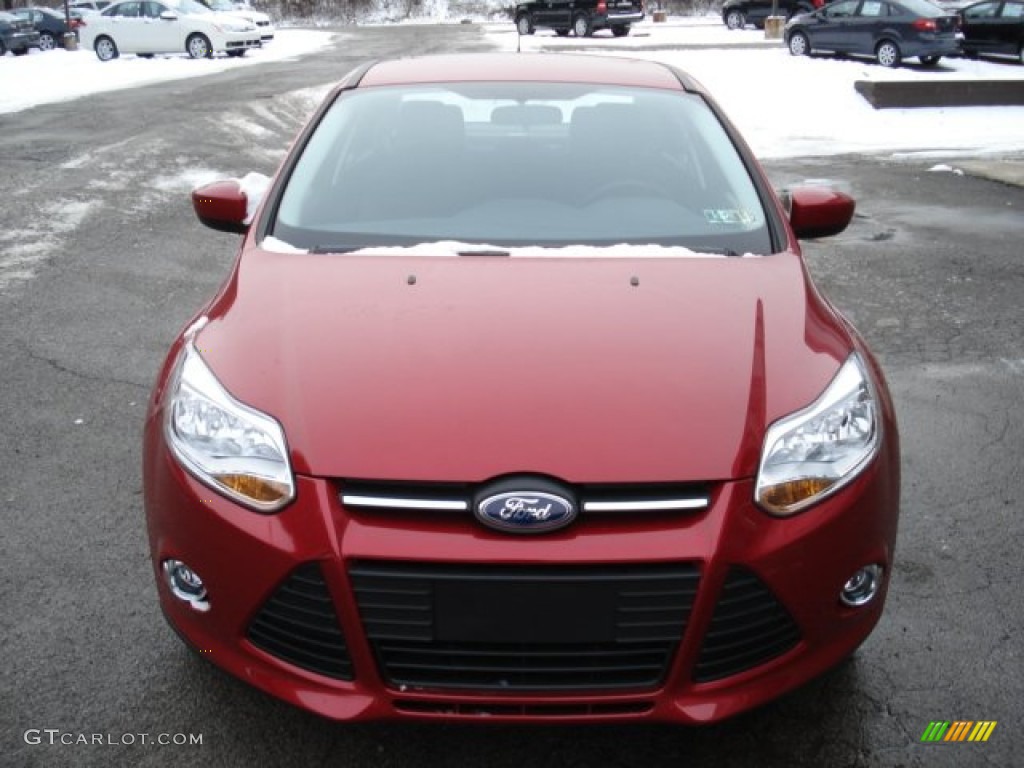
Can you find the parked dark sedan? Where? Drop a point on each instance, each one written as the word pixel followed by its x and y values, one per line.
pixel 16 35
pixel 994 27
pixel 736 14
pixel 887 30
pixel 48 23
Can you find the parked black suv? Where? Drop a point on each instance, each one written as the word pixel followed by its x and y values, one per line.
pixel 583 17
pixel 738 13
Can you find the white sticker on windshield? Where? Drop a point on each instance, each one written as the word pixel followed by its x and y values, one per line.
pixel 728 216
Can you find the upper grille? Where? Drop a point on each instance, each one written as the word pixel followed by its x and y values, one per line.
pixel 523 627
pixel 458 497
pixel 749 627
pixel 298 624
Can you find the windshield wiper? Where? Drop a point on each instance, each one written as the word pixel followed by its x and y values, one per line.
pixel 483 252
pixel 717 251
pixel 335 248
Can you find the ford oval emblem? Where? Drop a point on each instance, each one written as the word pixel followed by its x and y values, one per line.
pixel 526 511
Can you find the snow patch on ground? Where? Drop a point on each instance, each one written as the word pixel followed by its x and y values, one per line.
pixel 185 180
pixel 242 125
pixel 799 106
pixel 786 106
pixel 67 215
pixel 44 77
pixel 23 250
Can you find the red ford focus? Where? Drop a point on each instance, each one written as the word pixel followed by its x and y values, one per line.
pixel 519 404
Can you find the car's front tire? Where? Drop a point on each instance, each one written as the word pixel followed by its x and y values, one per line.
pixel 735 20
pixel 581 26
pixel 106 49
pixel 621 31
pixel 888 54
pixel 198 46
pixel 799 45
pixel 47 42
pixel 524 25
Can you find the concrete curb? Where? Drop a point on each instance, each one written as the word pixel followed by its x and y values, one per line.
pixel 1005 171
pixel 901 94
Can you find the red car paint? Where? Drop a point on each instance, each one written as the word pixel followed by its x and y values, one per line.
pixel 625 371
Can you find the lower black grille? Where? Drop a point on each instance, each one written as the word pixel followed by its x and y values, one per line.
pixel 298 624
pixel 749 627
pixel 497 709
pixel 516 628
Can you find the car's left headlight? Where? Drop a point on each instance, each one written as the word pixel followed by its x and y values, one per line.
pixel 814 452
pixel 236 450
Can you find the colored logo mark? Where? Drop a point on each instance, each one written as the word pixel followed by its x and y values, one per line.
pixel 958 730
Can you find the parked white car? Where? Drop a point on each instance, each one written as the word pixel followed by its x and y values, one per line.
pixel 260 19
pixel 146 27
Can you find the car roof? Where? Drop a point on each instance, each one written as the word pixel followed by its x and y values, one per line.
pixel 525 67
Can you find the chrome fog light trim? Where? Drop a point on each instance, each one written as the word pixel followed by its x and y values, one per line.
pixel 185 584
pixel 861 588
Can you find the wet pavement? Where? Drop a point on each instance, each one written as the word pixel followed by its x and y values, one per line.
pixel 96 202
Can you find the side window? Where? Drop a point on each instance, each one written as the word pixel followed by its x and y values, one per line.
pixel 873 8
pixel 983 11
pixel 152 10
pixel 1013 11
pixel 841 10
pixel 126 10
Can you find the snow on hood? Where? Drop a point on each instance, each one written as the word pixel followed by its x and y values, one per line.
pixel 449 248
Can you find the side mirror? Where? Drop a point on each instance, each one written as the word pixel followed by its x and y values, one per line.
pixel 819 211
pixel 169 16
pixel 221 205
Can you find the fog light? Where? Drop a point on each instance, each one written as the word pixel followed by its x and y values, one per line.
pixel 860 588
pixel 185 584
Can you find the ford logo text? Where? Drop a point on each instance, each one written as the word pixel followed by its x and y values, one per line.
pixel 526 512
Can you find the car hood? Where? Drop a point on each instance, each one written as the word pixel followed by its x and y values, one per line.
pixel 250 16
pixel 462 369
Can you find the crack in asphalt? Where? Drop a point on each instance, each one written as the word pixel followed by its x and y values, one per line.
pixel 53 363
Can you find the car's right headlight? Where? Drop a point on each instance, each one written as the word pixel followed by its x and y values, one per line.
pixel 814 452
pixel 236 450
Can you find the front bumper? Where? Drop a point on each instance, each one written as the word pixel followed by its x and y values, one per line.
pixel 234 41
pixel 248 561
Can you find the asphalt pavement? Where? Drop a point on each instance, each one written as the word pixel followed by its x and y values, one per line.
pixel 103 264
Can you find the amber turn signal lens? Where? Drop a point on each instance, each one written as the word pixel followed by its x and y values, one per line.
pixel 255 488
pixel 786 495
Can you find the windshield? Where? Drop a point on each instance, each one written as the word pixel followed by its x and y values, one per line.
pixel 520 164
pixel 221 5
